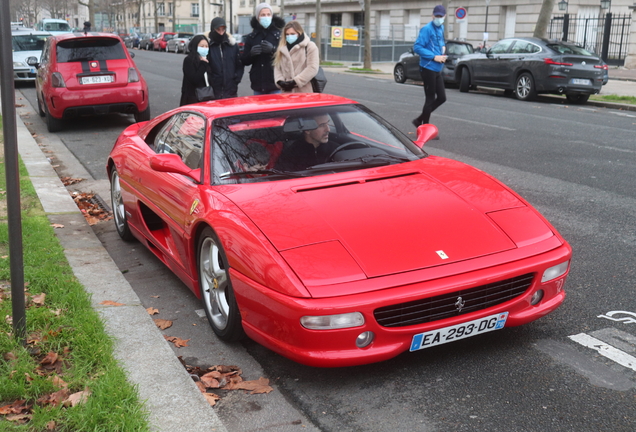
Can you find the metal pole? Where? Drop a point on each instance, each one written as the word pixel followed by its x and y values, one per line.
pixel 12 175
pixel 566 26
pixel 606 36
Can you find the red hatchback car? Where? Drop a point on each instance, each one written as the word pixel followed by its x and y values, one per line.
pixel 88 74
pixel 161 41
pixel 311 225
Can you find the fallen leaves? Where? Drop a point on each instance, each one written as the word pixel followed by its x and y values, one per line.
pixel 223 377
pixel 152 311
pixel 178 342
pixel 92 212
pixel 163 323
pixel 111 303
pixel 67 181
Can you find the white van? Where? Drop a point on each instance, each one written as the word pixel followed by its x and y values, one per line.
pixel 54 26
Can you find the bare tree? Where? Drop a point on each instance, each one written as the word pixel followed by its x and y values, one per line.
pixel 367 34
pixel 541 29
pixel 26 9
pixel 91 10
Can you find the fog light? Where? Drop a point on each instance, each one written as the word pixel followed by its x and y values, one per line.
pixel 330 322
pixel 536 297
pixel 555 271
pixel 364 339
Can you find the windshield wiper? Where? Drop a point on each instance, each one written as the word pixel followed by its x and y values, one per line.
pixel 228 175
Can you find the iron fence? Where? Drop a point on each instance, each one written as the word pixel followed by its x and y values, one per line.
pixel 606 36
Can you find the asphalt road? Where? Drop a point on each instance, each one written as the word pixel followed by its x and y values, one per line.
pixel 574 163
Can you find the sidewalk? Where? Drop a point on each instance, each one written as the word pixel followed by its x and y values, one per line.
pixel 171 397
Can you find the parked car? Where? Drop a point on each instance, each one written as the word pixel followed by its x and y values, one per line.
pixel 376 250
pixel 132 40
pixel 531 66
pixel 179 43
pixel 161 41
pixel 27 45
pixel 146 40
pixel 88 75
pixel 409 65
pixel 240 41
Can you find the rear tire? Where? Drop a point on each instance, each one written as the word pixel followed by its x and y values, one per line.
pixel 53 124
pixel 40 110
pixel 399 74
pixel 464 82
pixel 524 87
pixel 143 116
pixel 577 99
pixel 119 211
pixel 216 288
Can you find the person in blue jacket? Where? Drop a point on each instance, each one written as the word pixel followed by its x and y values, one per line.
pixel 431 48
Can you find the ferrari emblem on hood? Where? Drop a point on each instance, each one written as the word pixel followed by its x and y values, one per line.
pixel 442 254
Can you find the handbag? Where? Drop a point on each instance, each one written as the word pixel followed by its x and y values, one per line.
pixel 319 82
pixel 205 93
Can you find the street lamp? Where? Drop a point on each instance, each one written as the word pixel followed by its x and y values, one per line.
pixel 563 5
pixel 605 4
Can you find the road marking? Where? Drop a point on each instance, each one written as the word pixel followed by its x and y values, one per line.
pixel 626 319
pixel 477 123
pixel 605 350
pixel 622 114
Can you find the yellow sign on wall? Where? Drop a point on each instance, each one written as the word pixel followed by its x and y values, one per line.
pixel 351 34
pixel 336 37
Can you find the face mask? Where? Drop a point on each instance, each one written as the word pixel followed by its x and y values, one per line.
pixel 438 21
pixel 291 39
pixel 203 52
pixel 265 21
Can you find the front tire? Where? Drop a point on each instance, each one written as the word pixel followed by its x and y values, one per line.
pixel 577 99
pixel 464 82
pixel 216 288
pixel 399 74
pixel 524 87
pixel 119 211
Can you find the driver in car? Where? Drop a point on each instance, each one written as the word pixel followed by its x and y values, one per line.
pixel 312 149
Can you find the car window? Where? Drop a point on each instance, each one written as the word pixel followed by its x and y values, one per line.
pixel 242 144
pixel 28 42
pixel 184 136
pixel 83 49
pixel 524 47
pixel 570 49
pixel 501 47
pixel 57 26
pixel 459 49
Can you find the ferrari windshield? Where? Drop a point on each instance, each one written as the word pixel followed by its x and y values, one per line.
pixel 315 141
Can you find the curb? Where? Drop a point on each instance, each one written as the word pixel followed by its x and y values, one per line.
pixel 170 396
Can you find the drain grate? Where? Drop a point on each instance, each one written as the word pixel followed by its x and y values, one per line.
pixel 98 201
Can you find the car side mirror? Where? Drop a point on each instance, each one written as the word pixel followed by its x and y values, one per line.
pixel 172 163
pixel 425 133
pixel 488 52
pixel 33 61
pixel 132 54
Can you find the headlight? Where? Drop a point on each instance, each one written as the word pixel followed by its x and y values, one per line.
pixel 18 64
pixel 331 322
pixel 555 271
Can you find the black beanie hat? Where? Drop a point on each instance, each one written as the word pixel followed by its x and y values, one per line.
pixel 216 23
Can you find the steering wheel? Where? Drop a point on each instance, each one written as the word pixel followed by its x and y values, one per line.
pixel 344 146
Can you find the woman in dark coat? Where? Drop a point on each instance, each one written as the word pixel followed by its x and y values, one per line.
pixel 195 65
pixel 227 69
pixel 260 47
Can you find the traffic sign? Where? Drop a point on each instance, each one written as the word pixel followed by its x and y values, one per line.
pixel 460 13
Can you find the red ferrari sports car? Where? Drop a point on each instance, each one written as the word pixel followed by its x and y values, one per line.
pixel 313 226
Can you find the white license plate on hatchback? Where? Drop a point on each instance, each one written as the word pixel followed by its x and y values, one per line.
pixel 459 331
pixel 98 79
pixel 579 81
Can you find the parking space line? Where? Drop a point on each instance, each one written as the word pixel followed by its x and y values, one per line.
pixel 606 350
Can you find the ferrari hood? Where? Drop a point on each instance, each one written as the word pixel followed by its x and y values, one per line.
pixel 383 225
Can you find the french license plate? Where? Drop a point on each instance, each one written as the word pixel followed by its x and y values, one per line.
pixel 578 81
pixel 99 79
pixel 459 331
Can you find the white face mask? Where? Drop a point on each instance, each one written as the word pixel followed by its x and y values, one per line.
pixel 290 39
pixel 265 21
pixel 203 51
pixel 438 21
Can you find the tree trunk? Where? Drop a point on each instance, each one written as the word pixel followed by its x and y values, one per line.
pixel 541 29
pixel 367 34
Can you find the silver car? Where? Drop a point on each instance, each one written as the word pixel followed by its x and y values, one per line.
pixel 179 43
pixel 27 48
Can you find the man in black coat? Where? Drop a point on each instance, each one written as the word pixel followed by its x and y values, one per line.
pixel 260 47
pixel 227 69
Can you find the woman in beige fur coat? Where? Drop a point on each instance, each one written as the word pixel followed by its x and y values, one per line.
pixel 296 61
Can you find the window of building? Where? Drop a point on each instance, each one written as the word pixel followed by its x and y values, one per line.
pixel 194 9
pixel 336 19
pixel 161 9
pixel 358 19
pixel 171 9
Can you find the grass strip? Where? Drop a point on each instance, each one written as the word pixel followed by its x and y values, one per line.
pixel 615 98
pixel 67 351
